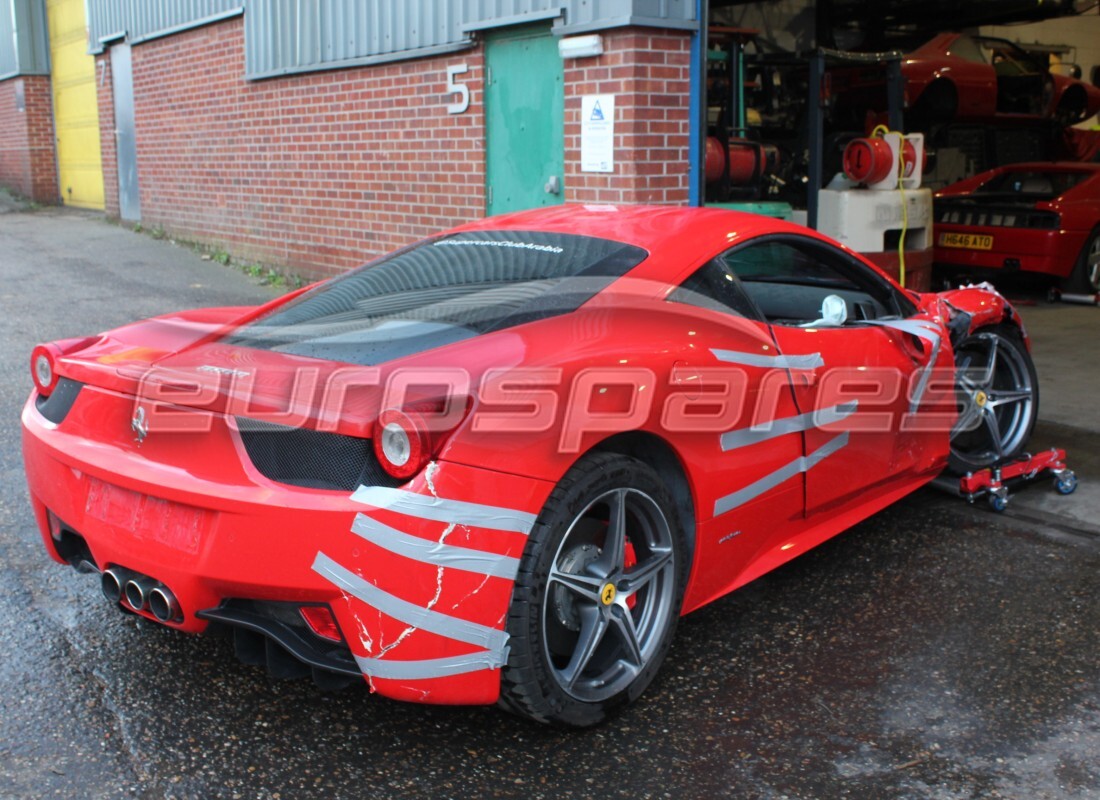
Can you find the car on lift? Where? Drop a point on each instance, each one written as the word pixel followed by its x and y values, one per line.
pixel 499 464
pixel 1039 218
pixel 958 77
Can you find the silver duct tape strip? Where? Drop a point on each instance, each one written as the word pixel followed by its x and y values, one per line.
pixel 428 668
pixel 784 473
pixel 443 510
pixel 435 553
pixel 922 329
pixel 744 437
pixel 808 361
pixel 409 613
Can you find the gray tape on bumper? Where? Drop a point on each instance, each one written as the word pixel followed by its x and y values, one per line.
pixel 435 553
pixel 425 669
pixel 442 510
pixel 409 613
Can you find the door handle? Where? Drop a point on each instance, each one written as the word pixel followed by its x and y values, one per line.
pixel 553 186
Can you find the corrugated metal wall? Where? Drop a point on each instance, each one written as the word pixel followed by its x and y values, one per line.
pixel 146 19
pixel 584 16
pixel 24 42
pixel 285 36
pixel 294 35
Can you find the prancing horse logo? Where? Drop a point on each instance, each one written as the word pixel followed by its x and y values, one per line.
pixel 139 426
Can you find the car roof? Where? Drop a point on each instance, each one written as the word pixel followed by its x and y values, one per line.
pixel 653 228
pixel 1049 166
pixel 1085 186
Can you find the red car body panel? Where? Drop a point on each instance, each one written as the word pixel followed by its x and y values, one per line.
pixel 1052 251
pixel 419 577
pixel 976 83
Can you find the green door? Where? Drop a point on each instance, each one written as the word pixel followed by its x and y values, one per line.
pixel 524 120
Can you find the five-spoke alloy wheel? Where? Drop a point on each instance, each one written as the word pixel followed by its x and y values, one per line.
pixel 1085 278
pixel 598 593
pixel 998 394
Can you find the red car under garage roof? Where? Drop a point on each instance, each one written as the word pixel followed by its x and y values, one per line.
pixel 1036 217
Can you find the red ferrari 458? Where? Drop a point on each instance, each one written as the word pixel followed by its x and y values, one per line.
pixel 499 464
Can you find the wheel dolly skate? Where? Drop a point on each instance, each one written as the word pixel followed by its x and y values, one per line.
pixel 993 482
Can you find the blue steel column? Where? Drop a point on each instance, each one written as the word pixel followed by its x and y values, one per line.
pixel 697 107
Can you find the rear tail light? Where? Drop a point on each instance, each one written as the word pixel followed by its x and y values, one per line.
pixel 44 360
pixel 406 439
pixel 401 443
pixel 43 368
pixel 321 622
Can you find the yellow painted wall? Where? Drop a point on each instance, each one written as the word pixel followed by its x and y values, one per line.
pixel 75 108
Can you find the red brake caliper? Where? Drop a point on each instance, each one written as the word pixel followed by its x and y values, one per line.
pixel 629 560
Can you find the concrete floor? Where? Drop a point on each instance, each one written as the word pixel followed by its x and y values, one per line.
pixel 937 650
pixel 1069 386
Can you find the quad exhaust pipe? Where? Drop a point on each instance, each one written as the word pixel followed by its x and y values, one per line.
pixel 137 591
pixel 112 582
pixel 163 605
pixel 141 593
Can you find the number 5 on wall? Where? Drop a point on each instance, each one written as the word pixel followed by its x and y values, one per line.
pixel 461 89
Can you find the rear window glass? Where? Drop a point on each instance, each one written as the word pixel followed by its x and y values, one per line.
pixel 442 291
pixel 1033 183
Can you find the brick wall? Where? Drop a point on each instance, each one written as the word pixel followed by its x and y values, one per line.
pixel 648 71
pixel 317 171
pixel 320 172
pixel 28 164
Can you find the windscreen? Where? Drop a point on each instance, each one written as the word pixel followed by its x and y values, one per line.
pixel 442 291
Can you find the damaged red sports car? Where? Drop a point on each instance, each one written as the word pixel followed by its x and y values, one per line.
pixel 498 465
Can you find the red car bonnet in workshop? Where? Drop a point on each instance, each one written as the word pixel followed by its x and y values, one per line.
pixel 500 464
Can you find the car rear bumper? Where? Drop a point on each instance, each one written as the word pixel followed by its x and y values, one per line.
pixel 418 579
pixel 1048 252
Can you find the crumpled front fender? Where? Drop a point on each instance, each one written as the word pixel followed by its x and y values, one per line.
pixel 986 306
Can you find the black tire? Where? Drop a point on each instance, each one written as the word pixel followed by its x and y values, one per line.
pixel 1085 278
pixel 573 588
pixel 998 393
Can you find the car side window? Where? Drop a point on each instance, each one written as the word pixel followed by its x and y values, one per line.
pixel 967 49
pixel 716 287
pixel 789 281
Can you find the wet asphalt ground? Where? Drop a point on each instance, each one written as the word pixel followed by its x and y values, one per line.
pixel 935 651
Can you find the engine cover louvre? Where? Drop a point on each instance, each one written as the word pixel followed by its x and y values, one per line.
pixel 311 459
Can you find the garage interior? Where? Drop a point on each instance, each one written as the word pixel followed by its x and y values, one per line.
pixel 794 90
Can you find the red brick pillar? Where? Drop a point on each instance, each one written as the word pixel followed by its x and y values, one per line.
pixel 648 72
pixel 28 161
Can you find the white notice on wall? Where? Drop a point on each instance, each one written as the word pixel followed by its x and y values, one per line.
pixel 598 133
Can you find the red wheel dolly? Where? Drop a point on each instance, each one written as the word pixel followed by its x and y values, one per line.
pixel 993 482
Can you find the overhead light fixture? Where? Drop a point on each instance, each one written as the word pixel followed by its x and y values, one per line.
pixel 580 46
